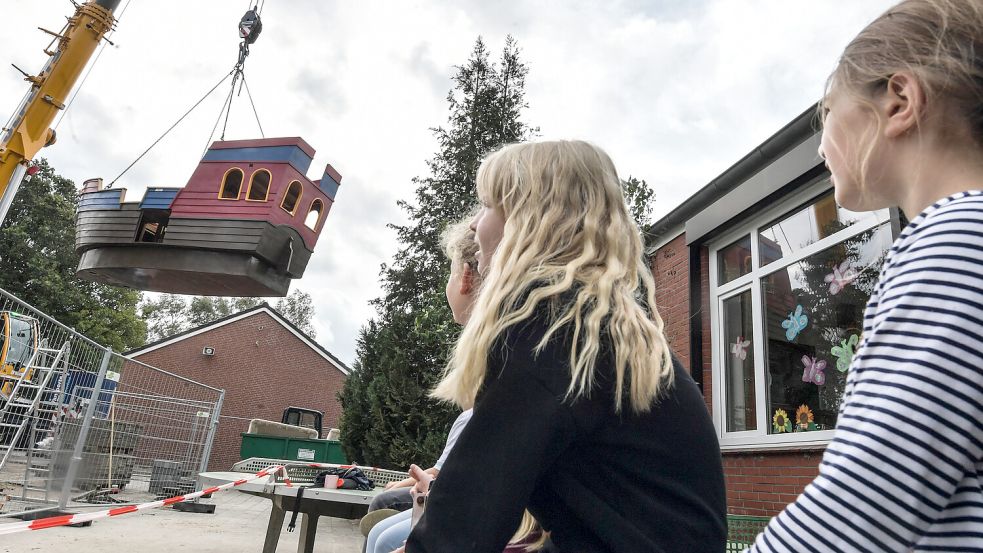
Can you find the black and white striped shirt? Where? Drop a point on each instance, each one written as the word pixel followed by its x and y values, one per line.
pixel 904 470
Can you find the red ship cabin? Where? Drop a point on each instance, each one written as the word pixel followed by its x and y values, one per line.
pixel 244 225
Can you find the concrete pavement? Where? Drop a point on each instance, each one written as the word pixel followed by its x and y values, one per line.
pixel 238 526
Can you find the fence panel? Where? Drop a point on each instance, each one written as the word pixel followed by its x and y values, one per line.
pixel 106 429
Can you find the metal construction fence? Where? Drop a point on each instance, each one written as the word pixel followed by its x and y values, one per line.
pixel 83 425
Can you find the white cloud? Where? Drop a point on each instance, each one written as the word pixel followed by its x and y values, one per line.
pixel 675 91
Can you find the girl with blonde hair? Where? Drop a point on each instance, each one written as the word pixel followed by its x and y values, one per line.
pixel 580 414
pixel 903 126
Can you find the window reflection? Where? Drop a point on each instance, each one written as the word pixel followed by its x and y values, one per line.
pixel 813 317
pixel 739 378
pixel 821 218
pixel 734 261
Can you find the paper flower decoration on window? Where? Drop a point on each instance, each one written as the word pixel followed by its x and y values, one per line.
pixel 739 348
pixel 813 372
pixel 780 422
pixel 841 277
pixel 804 418
pixel 844 352
pixel 795 323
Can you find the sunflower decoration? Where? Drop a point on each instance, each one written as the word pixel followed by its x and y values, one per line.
pixel 804 419
pixel 780 422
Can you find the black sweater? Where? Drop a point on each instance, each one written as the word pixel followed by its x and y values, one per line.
pixel 599 481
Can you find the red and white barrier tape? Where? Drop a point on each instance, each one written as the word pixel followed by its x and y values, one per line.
pixel 65 520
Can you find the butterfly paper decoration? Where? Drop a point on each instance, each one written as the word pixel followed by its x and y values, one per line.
pixel 795 323
pixel 841 277
pixel 814 370
pixel 844 352
pixel 739 349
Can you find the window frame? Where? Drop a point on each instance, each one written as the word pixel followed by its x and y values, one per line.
pixel 300 196
pixel 252 178
pixel 221 185
pixel 320 214
pixel 760 438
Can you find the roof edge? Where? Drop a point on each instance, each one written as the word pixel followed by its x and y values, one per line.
pixel 789 136
pixel 262 307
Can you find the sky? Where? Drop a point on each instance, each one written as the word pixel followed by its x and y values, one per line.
pixel 675 90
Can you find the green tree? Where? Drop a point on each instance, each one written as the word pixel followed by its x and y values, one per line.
pixel 641 201
pixel 388 418
pixel 38 262
pixel 170 314
pixel 165 316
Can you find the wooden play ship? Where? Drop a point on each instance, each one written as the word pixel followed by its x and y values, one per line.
pixel 245 224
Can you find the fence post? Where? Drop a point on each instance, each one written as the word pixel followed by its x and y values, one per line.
pixel 213 428
pixel 90 413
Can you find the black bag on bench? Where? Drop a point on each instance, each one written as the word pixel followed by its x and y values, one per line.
pixel 351 479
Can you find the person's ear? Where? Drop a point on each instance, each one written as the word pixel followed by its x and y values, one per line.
pixel 467 279
pixel 902 104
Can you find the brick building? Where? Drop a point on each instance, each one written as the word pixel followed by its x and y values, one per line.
pixel 762 281
pixel 262 361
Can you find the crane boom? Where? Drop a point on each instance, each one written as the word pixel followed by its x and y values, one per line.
pixel 29 128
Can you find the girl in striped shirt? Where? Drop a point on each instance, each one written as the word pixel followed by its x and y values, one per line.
pixel 903 126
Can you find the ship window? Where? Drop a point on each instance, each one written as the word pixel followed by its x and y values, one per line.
pixel 292 198
pixel 231 184
pixel 314 215
pixel 259 186
pixel 152 225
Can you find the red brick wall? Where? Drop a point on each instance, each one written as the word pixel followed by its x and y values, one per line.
pixel 763 483
pixel 758 483
pixel 263 368
pixel 670 269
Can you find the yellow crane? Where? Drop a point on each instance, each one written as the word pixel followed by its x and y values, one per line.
pixel 29 128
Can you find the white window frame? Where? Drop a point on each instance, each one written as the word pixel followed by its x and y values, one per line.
pixel 760 438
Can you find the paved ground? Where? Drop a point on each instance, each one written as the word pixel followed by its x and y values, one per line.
pixel 238 526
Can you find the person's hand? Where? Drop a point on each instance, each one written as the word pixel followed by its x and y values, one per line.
pixel 423 480
pixel 402 549
pixel 404 483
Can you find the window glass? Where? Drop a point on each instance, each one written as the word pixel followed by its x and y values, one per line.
pixel 21 341
pixel 821 218
pixel 314 214
pixel 259 185
pixel 739 364
pixel 813 317
pixel 290 199
pixel 734 261
pixel 231 185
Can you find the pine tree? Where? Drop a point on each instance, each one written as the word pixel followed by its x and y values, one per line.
pixel 388 418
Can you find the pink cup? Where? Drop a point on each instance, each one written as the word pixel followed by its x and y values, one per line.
pixel 331 481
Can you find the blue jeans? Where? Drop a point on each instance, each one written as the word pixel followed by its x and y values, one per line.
pixel 389 533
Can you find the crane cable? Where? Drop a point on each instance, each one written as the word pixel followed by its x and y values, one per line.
pixel 161 137
pixel 250 27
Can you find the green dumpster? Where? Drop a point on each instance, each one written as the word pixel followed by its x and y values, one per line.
pixel 291 449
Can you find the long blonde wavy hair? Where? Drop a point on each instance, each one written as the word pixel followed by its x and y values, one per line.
pixel 567 229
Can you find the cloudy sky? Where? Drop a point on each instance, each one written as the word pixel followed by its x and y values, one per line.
pixel 675 90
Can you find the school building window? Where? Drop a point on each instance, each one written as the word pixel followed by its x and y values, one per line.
pixel 788 290
pixel 259 186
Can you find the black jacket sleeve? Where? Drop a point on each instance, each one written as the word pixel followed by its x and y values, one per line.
pixel 519 426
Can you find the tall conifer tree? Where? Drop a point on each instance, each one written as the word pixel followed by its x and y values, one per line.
pixel 388 418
